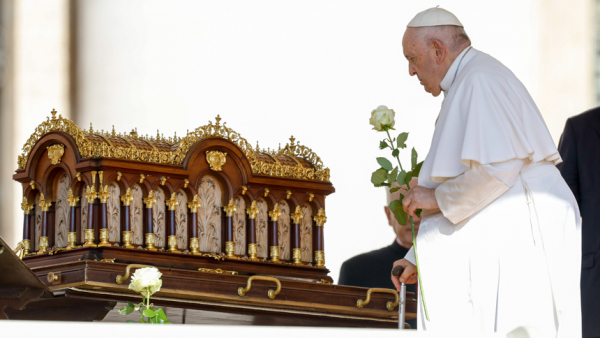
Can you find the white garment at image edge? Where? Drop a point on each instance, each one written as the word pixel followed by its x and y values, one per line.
pixel 506 250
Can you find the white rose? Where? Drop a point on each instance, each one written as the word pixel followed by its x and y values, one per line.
pixel 146 281
pixel 382 116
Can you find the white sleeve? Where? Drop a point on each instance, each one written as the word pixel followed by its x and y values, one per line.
pixel 461 197
pixel 410 255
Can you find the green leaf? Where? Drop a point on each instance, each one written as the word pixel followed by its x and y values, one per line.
pixel 384 163
pixel 386 184
pixel 168 323
pixel 417 169
pixel 396 208
pixel 413 158
pixel 131 321
pixel 130 304
pixel 383 145
pixel 160 320
pixel 395 152
pixel 402 139
pixel 391 177
pixel 393 190
pixel 161 314
pixel 418 212
pixel 125 310
pixel 409 176
pixel 149 313
pixel 402 178
pixel 379 176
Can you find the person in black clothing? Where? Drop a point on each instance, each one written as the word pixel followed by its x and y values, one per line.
pixel 372 269
pixel 579 148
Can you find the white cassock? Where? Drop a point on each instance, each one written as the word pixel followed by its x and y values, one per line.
pixel 505 251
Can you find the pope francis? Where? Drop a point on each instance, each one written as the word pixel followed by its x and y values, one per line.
pixel 499 244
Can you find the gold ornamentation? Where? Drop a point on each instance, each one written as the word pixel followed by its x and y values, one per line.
pixel 127 240
pixel 275 213
pixel 216 160
pixel 297 256
pixel 252 251
pixel 267 191
pixel 119 175
pixel 120 279
pixel 72 240
pixel 127 198
pixel 103 194
pixel 45 205
pixel 90 194
pixel 194 204
pixel 55 153
pixel 26 207
pixel 288 194
pixel 72 199
pixel 320 218
pixel 218 271
pixel 78 177
pixel 274 254
pixel 172 240
pixel 252 211
pixel 104 238
pixel 163 180
pixel 32 184
pixel 101 175
pixel 229 249
pixel 230 208
pixel 150 200
pixel 272 293
pixel 297 215
pixel 244 189
pixel 89 238
pixel 108 260
pixel 20 249
pixel 311 196
pixel 390 305
pixel 26 247
pixel 186 182
pixel 94 178
pixel 150 242
pixel 142 178
pixel 325 281
pixel 194 246
pixel 173 202
pixel 319 259
pixel 43 245
pixel 94 148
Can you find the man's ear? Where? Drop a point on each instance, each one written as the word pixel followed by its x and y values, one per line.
pixel 389 214
pixel 440 51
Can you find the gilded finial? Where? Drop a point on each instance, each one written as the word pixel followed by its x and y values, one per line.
pixel 267 191
pixel 275 213
pixel 94 177
pixel 186 182
pixel 244 189
pixel 297 215
pixel 32 184
pixel 119 175
pixel 78 177
pixel 150 200
pixel 288 194
pixel 257 148
pixel 230 208
pixel 311 196
pixel 252 211
pixel 142 177
pixel 173 202
pixel 91 129
pixel 127 198
pixel 53 112
pixel 320 219
pixel 163 180
pixel 218 118
pixel 292 139
pixel 194 204
pixel 113 133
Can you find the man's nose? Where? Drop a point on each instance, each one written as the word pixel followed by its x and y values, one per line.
pixel 412 71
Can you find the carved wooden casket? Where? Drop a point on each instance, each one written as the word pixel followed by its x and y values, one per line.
pixel 236 231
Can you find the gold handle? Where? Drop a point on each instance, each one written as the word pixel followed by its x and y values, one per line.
pixel 390 305
pixel 121 279
pixel 272 293
pixel 52 277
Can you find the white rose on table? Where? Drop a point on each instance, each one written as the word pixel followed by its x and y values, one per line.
pixel 381 117
pixel 146 281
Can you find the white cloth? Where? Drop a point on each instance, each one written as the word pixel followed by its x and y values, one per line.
pixel 515 261
pixel 434 17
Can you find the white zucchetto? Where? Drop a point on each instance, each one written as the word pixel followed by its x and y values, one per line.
pixel 434 17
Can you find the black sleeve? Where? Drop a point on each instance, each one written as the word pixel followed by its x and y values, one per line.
pixel 569 168
pixel 345 275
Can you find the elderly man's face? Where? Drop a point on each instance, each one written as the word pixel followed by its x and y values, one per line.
pixel 425 61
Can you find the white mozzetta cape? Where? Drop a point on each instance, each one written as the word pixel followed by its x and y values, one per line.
pixel 488 117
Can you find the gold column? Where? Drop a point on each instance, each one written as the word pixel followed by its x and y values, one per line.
pixel 297 249
pixel 45 205
pixel 150 236
pixel 252 247
pixel 127 235
pixel 194 243
pixel 72 237
pixel 320 220
pixel 229 244
pixel 274 248
pixel 90 196
pixel 26 207
pixel 103 195
pixel 172 203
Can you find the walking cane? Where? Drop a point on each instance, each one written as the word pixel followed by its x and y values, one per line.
pixel 397 272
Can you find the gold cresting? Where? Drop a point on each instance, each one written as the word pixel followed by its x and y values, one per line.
pixel 55 153
pixel 216 160
pixel 93 147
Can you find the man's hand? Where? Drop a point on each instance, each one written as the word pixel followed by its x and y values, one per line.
pixel 409 276
pixel 419 198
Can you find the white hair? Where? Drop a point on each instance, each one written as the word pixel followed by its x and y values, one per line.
pixel 453 37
